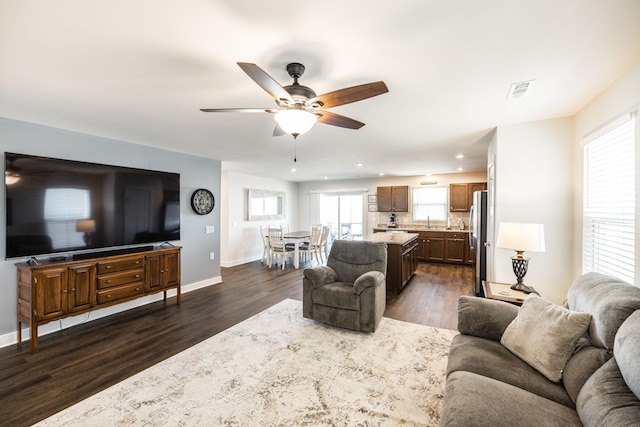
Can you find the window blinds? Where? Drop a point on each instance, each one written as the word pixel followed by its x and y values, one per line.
pixel 609 203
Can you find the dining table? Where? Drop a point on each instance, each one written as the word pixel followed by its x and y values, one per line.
pixel 296 237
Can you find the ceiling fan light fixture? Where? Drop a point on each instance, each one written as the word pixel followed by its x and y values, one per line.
pixel 295 121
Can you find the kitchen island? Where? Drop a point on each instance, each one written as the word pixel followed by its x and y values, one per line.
pixel 402 258
pixel 438 244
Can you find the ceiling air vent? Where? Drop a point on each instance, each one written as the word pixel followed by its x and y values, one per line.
pixel 520 90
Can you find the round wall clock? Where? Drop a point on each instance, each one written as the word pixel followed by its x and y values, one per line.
pixel 202 201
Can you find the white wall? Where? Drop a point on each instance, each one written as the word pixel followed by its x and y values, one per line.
pixel 241 241
pixel 617 100
pixel 534 184
pixel 195 172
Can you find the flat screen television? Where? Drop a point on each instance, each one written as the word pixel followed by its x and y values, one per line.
pixel 55 205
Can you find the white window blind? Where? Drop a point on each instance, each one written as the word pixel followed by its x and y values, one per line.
pixel 430 203
pixel 609 203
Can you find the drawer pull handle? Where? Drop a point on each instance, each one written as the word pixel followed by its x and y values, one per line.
pixel 108 281
pixel 108 267
pixel 137 289
pixel 72 289
pixel 137 276
pixel 137 262
pixel 108 296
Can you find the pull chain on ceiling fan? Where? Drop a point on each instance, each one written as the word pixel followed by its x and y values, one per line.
pixel 300 107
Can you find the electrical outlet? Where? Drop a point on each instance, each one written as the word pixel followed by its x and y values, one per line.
pixel 209 229
pixel 212 255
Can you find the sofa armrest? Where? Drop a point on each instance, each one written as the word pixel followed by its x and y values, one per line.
pixel 484 318
pixel 319 276
pixel 369 279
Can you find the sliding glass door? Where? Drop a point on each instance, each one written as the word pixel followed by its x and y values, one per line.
pixel 344 214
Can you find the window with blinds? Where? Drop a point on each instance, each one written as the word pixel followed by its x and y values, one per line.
pixel 430 203
pixel 609 203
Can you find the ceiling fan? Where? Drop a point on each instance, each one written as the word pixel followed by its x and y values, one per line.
pixel 300 107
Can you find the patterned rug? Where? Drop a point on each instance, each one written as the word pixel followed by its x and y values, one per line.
pixel 280 369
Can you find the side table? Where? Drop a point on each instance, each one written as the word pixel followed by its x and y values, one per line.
pixel 503 292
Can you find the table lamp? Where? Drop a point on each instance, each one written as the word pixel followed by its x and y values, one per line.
pixel 521 238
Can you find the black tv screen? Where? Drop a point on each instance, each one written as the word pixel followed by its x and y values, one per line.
pixel 55 205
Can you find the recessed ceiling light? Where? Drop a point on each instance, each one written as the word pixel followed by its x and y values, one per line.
pixel 359 164
pixel 460 168
pixel 459 156
pixel 293 169
pixel 381 174
pixel 325 177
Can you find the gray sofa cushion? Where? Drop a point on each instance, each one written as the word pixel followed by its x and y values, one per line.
pixel 581 366
pixel 544 335
pixel 491 359
pixel 484 318
pixel 627 352
pixel 605 399
pixel 475 400
pixel 608 300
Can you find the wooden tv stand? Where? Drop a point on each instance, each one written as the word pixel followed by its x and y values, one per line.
pixel 53 290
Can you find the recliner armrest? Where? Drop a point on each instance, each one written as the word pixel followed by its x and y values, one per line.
pixel 369 279
pixel 321 275
pixel 484 318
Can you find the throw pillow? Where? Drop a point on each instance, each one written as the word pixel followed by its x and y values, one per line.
pixel 544 335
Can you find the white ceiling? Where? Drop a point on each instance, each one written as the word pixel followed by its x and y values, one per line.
pixel 140 71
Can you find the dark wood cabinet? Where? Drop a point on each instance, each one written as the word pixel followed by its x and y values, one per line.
pixel 54 290
pixel 393 199
pixel 455 247
pixel 461 195
pixel 435 250
pixel 402 262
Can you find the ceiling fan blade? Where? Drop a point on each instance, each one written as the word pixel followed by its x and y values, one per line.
pixel 265 81
pixel 334 119
pixel 278 131
pixel 350 94
pixel 239 110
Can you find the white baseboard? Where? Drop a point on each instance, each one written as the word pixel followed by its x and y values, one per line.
pixel 67 322
pixel 233 263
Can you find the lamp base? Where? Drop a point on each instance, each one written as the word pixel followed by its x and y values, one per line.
pixel 523 288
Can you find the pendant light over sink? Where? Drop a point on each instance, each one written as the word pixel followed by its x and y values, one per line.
pixel 300 108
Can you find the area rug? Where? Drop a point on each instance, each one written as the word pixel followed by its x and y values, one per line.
pixel 280 369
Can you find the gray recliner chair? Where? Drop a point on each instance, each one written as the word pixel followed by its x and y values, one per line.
pixel 350 291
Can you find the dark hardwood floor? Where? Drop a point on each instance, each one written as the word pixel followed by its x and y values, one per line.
pixel 82 360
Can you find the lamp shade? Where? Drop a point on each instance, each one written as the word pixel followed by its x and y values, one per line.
pixel 296 122
pixel 521 237
pixel 86 225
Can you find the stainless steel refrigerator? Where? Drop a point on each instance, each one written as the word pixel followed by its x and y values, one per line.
pixel 478 238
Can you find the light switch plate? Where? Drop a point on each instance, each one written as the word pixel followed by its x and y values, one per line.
pixel 210 229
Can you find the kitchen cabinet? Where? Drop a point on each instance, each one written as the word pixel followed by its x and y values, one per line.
pixel 54 290
pixel 393 199
pixel 435 247
pixel 454 244
pixel 461 195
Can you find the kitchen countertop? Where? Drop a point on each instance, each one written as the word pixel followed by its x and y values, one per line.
pixel 391 238
pixel 416 229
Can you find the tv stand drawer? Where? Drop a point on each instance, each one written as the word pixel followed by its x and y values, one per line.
pixel 117 293
pixel 118 279
pixel 120 264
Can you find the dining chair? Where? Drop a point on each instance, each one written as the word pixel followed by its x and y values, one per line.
pixel 277 246
pixel 264 233
pixel 323 248
pixel 311 248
